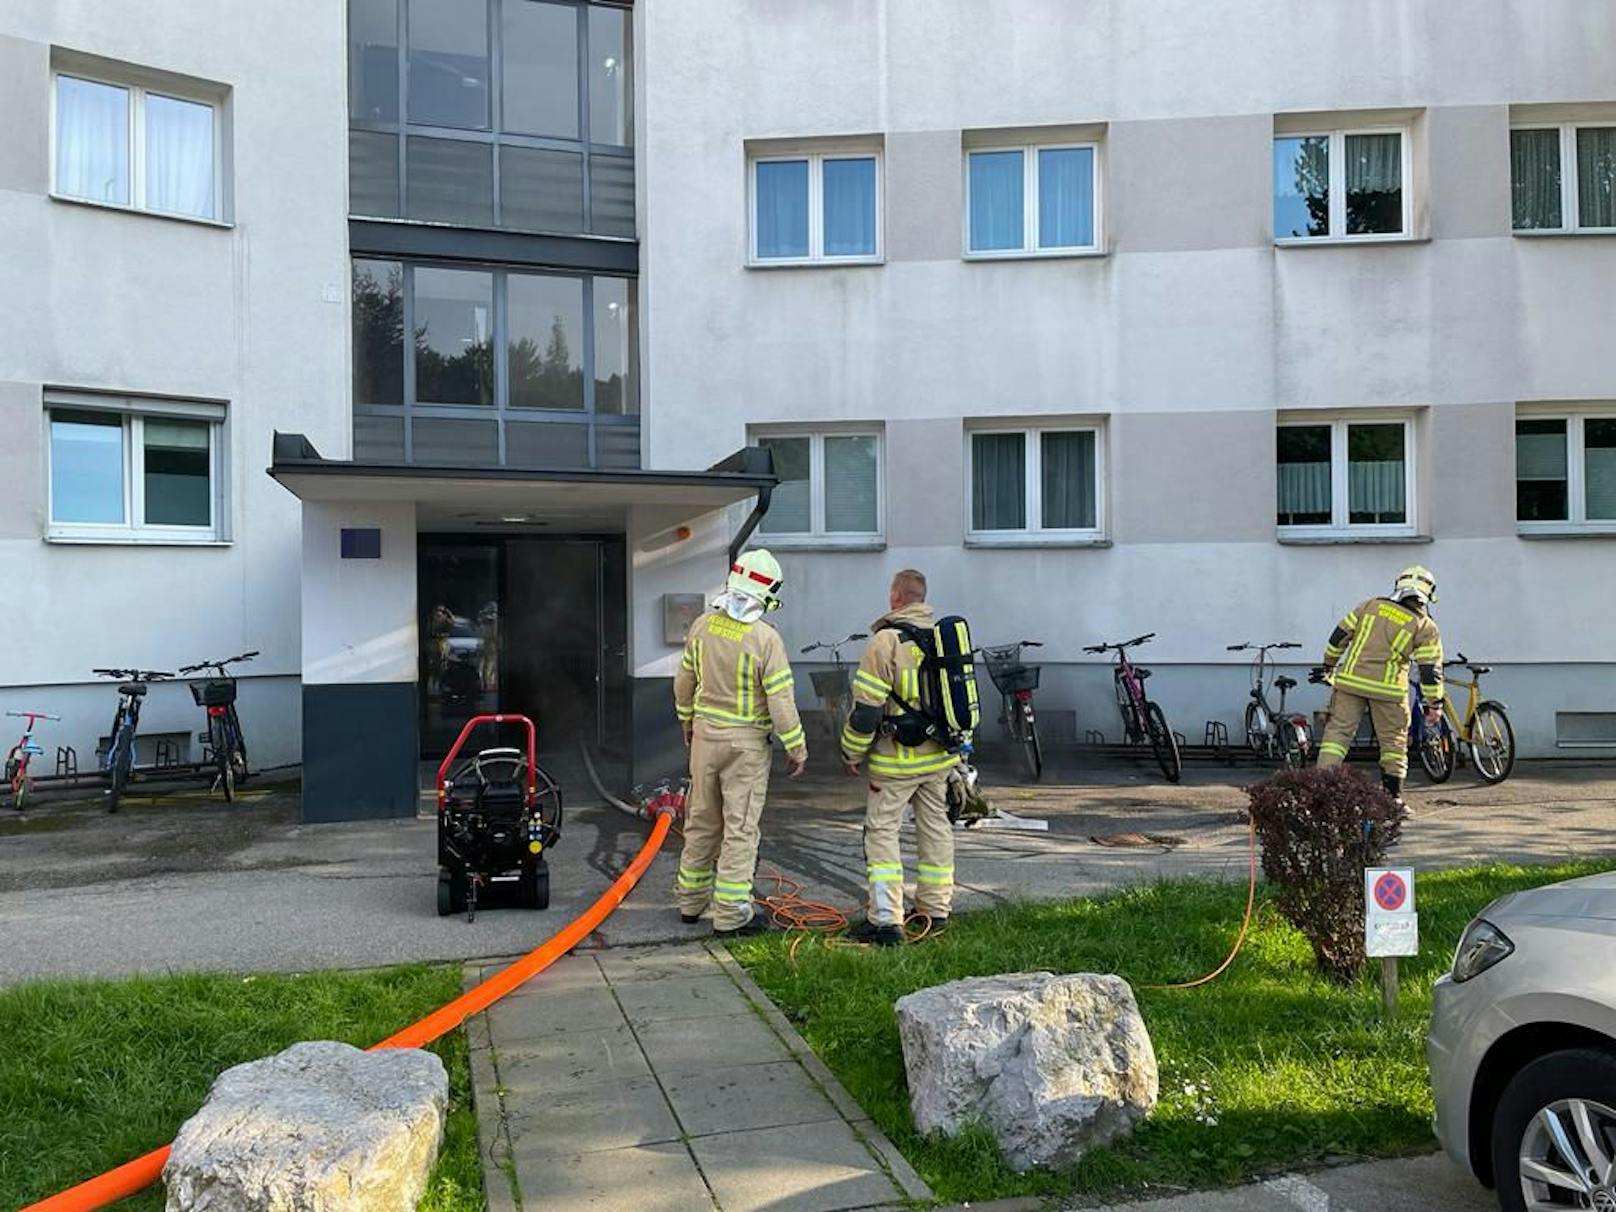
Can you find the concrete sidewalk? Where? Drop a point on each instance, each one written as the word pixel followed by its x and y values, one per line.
pixel 663 1080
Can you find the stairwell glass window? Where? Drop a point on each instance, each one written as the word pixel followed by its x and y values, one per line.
pixel 830 486
pixel 1346 477
pixel 1562 178
pixel 816 208
pixel 129 470
pixel 1342 185
pixel 1034 483
pixel 1031 200
pixel 1565 472
pixel 139 145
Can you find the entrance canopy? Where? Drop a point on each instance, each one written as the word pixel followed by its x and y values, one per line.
pixel 571 499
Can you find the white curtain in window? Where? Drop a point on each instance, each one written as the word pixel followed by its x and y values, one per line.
pixel 1540 456
pixel 1304 488
pixel 849 205
pixel 1377 487
pixel 782 208
pixel 1067 470
pixel 92 140
pixel 850 485
pixel 1374 163
pixel 998 481
pixel 179 156
pixel 1599 468
pixel 998 191
pixel 1534 178
pixel 1065 197
pixel 1596 176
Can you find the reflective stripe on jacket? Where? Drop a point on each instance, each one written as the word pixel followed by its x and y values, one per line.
pixel 1374 645
pixel 892 664
pixel 735 675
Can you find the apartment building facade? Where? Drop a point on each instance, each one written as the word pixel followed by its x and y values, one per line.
pixel 1113 318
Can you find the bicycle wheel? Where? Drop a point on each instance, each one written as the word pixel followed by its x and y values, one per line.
pixel 1297 740
pixel 1257 729
pixel 1437 751
pixel 223 755
pixel 1492 743
pixel 119 766
pixel 1163 743
pixel 1032 748
pixel 21 784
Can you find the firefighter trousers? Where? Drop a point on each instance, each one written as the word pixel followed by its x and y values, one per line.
pixel 729 780
pixel 1390 720
pixel 934 839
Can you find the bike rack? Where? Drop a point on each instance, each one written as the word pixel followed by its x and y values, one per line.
pixel 1216 738
pixel 1093 736
pixel 67 762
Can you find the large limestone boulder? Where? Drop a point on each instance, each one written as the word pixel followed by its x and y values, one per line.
pixel 320 1127
pixel 1052 1065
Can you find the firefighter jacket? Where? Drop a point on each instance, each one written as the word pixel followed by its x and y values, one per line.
pixel 888 671
pixel 735 677
pixel 1372 648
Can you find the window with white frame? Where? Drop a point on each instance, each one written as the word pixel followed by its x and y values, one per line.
pixel 816 207
pixel 1031 199
pixel 1034 481
pixel 1562 177
pixel 1342 184
pixel 1346 476
pixel 1565 471
pixel 131 140
pixel 830 485
pixel 123 469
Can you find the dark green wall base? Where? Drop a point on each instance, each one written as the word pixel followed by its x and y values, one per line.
pixel 361 751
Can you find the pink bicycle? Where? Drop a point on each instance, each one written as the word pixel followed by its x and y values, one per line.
pixel 1142 720
pixel 23 752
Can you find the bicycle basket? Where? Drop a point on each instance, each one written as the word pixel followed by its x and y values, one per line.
pixel 830 683
pixel 1012 677
pixel 215 693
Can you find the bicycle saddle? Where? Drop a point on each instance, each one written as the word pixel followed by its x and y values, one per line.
pixel 1285 683
pixel 133 688
pixel 1478 670
pixel 1142 674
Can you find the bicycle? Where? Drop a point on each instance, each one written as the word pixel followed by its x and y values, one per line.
pixel 1015 682
pixel 17 760
pixel 1269 731
pixel 226 743
pixel 120 755
pixel 834 685
pixel 1142 720
pixel 1485 731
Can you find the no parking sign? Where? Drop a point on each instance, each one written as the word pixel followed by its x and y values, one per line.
pixel 1391 926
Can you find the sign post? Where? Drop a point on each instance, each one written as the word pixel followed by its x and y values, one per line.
pixel 1391 926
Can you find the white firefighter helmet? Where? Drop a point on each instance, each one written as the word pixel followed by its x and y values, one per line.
pixel 756 575
pixel 1416 581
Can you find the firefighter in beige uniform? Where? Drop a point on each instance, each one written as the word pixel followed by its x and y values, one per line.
pixel 900 775
pixel 1367 660
pixel 733 688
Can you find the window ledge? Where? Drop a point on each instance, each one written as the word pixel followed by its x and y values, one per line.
pixel 194 220
pixel 1351 540
pixel 1568 532
pixel 1035 543
pixel 787 543
pixel 827 263
pixel 80 540
pixel 1560 233
pixel 1347 241
pixel 1054 254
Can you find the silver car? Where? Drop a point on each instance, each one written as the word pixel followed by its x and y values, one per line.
pixel 1523 1047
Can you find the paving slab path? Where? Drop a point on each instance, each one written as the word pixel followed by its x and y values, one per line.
pixel 662 1080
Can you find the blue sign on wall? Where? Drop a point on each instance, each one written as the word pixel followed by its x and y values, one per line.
pixel 361 543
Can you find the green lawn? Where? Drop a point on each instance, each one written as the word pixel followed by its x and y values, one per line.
pixel 1266 1068
pixel 93 1073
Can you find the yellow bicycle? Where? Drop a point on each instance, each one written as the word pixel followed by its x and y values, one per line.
pixel 1484 730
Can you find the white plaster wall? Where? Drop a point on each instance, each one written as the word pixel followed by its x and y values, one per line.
pixel 359 616
pixel 96 298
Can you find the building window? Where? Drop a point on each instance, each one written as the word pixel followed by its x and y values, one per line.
pixel 816 207
pixel 504 367
pixel 1022 201
pixel 1346 476
pixel 1341 184
pixel 143 146
pixel 1563 177
pixel 1035 482
pixel 515 114
pixel 1565 472
pixel 134 470
pixel 830 485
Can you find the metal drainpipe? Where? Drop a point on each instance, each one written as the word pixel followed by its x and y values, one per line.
pixel 751 523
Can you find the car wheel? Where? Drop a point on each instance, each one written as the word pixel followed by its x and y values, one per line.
pixel 1554 1134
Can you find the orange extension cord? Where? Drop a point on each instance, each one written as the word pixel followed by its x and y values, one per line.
pixel 1245 926
pixel 135 1176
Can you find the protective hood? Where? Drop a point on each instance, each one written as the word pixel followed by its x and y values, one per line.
pixel 741 607
pixel 916 614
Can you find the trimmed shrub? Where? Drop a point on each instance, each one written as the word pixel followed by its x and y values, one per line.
pixel 1319 829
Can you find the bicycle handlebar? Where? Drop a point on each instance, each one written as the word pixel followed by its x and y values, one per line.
pixel 134 675
pixel 1138 639
pixel 35 715
pixel 219 665
pixel 833 645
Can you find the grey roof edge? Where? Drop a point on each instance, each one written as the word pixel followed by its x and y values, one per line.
pixel 749 467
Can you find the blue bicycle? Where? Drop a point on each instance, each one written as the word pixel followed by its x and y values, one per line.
pixel 119 764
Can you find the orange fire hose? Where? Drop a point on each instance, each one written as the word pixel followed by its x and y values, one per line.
pixel 135 1176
